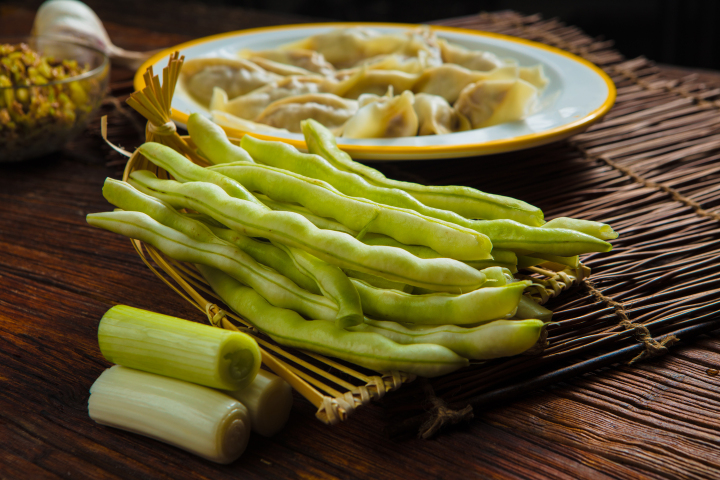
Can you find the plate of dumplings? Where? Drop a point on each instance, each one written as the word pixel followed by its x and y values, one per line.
pixel 389 91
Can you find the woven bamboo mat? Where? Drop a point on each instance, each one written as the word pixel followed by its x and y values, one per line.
pixel 650 169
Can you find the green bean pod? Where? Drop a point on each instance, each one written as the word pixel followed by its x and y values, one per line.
pixel 379 282
pixel 183 170
pixel 366 349
pixel 276 288
pixel 269 255
pixel 124 196
pixel 333 283
pixel 441 274
pixel 465 201
pixel 481 305
pixel 501 258
pixel 603 231
pixel 212 141
pixel 320 222
pixel 527 308
pixel 500 338
pixel 406 226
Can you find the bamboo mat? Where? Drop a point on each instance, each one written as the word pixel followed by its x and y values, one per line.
pixel 650 168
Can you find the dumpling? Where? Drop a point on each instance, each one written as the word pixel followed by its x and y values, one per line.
pixel 250 105
pixel 280 68
pixel 491 102
pixel 534 75
pixel 377 82
pixel 301 58
pixel 383 117
pixel 225 119
pixel 345 47
pixel 470 59
pixel 326 108
pixel 436 116
pixel 448 80
pixel 402 63
pixel 236 77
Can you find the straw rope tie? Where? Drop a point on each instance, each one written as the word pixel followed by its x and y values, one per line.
pixel 653 348
pixel 215 319
pixel 441 415
pixel 167 128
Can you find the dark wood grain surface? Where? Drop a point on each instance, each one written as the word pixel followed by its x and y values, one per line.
pixel 659 419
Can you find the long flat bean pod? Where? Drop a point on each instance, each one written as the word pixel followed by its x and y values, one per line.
pixel 124 196
pixel 184 170
pixel 406 226
pixel 320 222
pixel 599 230
pixel 333 283
pixel 465 201
pixel 503 233
pixel 481 305
pixel 500 338
pixel 501 258
pixel 212 141
pixel 441 274
pixel 276 288
pixel 366 349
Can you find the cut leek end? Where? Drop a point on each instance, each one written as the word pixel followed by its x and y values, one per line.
pixel 197 419
pixel 269 401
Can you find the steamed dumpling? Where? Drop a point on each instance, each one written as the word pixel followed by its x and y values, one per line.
pixel 326 108
pixel 384 117
pixel 235 76
pixel 345 47
pixel 377 82
pixel 280 68
pixel 437 117
pixel 534 76
pixel 449 80
pixel 470 59
pixel 225 119
pixel 301 58
pixel 491 102
pixel 252 104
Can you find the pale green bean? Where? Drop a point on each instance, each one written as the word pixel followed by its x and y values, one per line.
pixel 336 248
pixel 481 305
pixel 500 338
pixel 379 282
pixel 406 226
pixel 211 139
pixel 183 170
pixel 366 349
pixel 465 201
pixel 603 231
pixel 333 283
pixel 279 290
pixel 320 222
pixel 528 308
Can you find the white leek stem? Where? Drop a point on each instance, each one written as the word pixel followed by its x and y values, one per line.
pixel 268 400
pixel 197 419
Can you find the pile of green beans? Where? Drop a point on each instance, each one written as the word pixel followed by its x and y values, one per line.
pixel 322 253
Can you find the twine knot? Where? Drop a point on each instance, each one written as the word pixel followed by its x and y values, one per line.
pixel 441 415
pixel 653 348
pixel 167 128
pixel 215 319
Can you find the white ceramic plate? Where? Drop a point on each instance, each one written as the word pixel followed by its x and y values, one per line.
pixel 579 93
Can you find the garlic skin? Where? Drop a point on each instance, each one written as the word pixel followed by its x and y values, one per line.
pixel 72 18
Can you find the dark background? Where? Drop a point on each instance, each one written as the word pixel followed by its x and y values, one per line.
pixel 679 32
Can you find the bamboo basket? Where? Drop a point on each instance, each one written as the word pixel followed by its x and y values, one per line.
pixel 650 169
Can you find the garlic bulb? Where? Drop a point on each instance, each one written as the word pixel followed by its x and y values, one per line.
pixel 72 18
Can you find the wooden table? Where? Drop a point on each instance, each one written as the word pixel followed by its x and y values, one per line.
pixel 657 419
